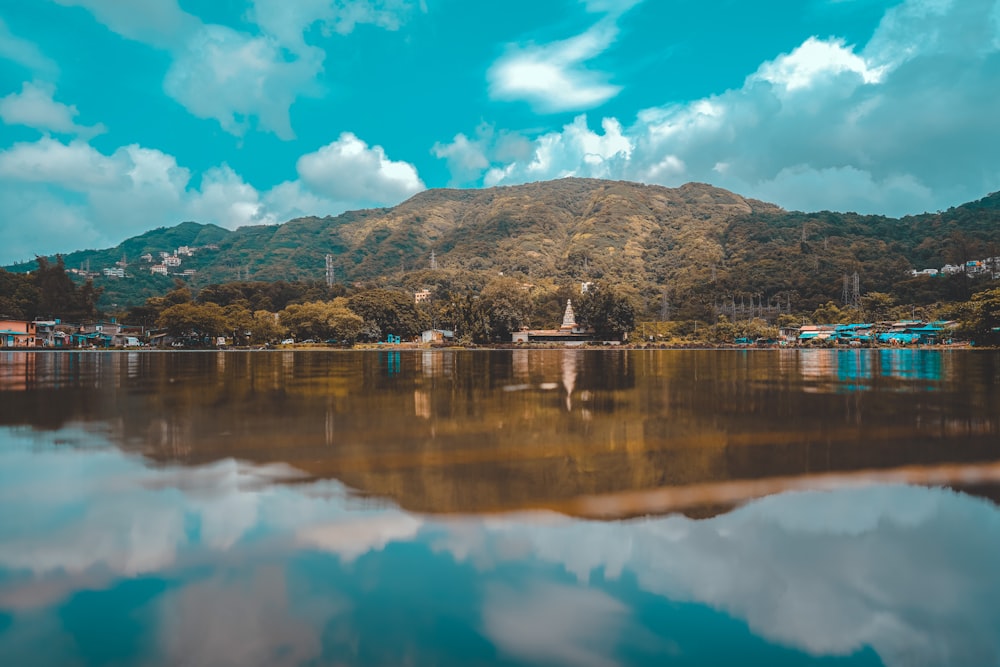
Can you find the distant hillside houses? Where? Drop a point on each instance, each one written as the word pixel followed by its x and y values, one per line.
pixel 986 268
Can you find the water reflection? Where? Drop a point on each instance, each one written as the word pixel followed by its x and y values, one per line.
pixel 104 560
pixel 460 431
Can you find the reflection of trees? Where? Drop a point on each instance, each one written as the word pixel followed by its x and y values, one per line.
pixel 471 430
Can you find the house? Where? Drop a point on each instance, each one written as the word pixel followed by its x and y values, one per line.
pixel 810 332
pixel 437 336
pixel 17 333
pixel 148 257
pixel 172 260
pixel 159 268
pixel 421 296
pixel 52 333
pixel 113 273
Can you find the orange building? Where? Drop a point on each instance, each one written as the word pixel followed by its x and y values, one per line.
pixel 15 333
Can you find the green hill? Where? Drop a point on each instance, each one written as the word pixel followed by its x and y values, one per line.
pixel 695 243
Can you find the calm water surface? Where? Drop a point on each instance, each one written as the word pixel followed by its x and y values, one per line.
pixel 548 507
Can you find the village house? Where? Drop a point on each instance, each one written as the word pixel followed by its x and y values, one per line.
pixel 437 336
pixel 17 333
pixel 52 333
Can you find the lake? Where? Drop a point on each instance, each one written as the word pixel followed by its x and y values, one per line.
pixel 516 507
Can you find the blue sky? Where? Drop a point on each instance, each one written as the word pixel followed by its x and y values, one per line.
pixel 118 117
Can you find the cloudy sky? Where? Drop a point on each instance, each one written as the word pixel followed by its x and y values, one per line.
pixel 118 117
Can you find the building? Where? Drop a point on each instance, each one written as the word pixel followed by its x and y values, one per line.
pixel 568 332
pixel 52 333
pixel 816 332
pixel 113 273
pixel 159 268
pixel 148 257
pixel 172 260
pixel 437 336
pixel 17 333
pixel 421 296
pixel 184 250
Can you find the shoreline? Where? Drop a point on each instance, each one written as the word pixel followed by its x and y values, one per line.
pixel 397 347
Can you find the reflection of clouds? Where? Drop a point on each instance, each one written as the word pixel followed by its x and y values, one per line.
pixel 91 511
pixel 554 624
pixel 908 571
pixel 354 537
pixel 239 622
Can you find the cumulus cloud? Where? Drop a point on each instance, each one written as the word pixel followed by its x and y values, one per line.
pixel 64 196
pixel 349 170
pixel 229 76
pixel 234 77
pixel 901 125
pixel 35 107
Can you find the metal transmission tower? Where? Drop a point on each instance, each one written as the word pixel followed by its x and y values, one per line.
pixel 434 262
pixel 852 290
pixel 329 270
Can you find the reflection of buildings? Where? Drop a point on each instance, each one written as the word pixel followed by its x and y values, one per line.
pixel 17 371
pixel 857 369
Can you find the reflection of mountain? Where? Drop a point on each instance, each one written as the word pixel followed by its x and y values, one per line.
pixel 453 431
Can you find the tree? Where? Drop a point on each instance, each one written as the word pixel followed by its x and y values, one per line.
pixel 505 306
pixel 191 320
pixel 982 317
pixel 607 311
pixel 322 320
pixel 876 305
pixel 264 327
pixel 386 312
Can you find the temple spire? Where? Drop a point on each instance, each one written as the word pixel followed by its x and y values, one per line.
pixel 569 319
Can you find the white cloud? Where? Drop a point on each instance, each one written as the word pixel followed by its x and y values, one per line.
pixel 25 53
pixel 574 151
pixel 230 76
pixel 814 60
pixel 348 170
pixel 35 107
pixel 67 196
pixel 160 23
pixel 902 125
pixel 235 77
pixel 287 22
pixel 552 77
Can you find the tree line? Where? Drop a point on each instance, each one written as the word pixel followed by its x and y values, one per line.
pixel 368 314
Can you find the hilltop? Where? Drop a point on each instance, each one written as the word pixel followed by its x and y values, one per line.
pixel 695 242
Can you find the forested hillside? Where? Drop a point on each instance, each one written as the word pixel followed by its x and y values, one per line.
pixel 683 249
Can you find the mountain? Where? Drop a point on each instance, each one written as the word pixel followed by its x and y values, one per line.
pixel 696 242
